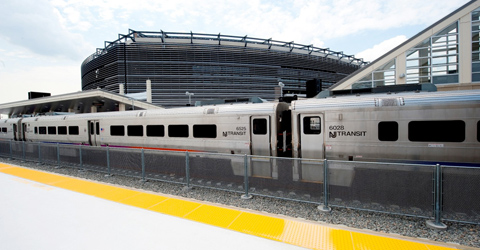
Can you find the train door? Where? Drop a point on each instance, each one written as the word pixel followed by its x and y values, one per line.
pixel 312 146
pixel 94 132
pixel 260 146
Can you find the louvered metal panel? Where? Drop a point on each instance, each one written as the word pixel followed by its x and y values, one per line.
pixel 211 66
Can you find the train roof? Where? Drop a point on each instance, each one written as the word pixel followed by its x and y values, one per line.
pixel 255 108
pixel 389 99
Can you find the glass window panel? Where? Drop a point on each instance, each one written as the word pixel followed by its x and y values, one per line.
pixel 178 130
pixel 135 130
pixel 52 130
pixel 475 46
pixel 476 15
pixel 387 66
pixel 450 29
pixel 62 130
pixel 439 60
pixel 366 78
pixel 476 77
pixel 451 69
pixel 452 59
pixel 436 131
pixel 73 130
pixel 260 126
pixel 117 130
pixel 205 131
pixel 475 37
pixel 388 131
pixel 476 67
pixel 425 43
pixel 311 125
pixel 362 85
pixel 441 79
pixel 42 130
pixel 156 130
pixel 422 52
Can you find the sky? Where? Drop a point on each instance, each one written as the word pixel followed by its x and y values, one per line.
pixel 44 42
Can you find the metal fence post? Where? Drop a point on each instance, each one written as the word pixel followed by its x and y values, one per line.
pixel 143 165
pixel 324 207
pixel 246 196
pixel 23 151
pixel 437 224
pixel 11 151
pixel 187 168
pixel 108 161
pixel 39 154
pixel 80 155
pixel 58 155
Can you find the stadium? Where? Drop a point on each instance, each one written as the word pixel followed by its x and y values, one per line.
pixel 211 66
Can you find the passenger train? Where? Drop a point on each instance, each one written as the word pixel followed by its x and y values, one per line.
pixel 435 127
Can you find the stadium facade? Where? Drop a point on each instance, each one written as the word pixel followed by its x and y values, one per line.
pixel 211 66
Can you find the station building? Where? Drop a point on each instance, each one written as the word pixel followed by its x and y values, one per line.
pixel 211 66
pixel 446 55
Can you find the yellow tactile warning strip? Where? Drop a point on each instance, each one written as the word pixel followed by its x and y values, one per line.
pixel 291 231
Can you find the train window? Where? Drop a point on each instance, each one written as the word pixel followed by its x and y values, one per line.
pixel 135 130
pixel 117 130
pixel 35 130
pixel 205 131
pixel 436 131
pixel 73 130
pixel 260 126
pixel 4 130
pixel 62 130
pixel 156 130
pixel 388 131
pixel 97 128
pixel 311 125
pixel 52 130
pixel 42 130
pixel 178 130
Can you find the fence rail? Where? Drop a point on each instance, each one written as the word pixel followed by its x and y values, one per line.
pixel 434 192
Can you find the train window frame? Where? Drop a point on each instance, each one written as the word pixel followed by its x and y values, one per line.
pixel 309 127
pixel 42 130
pixel 260 126
pixel 62 130
pixel 52 130
pixel 135 130
pixel 4 130
pixel 433 131
pixel 155 130
pixel 205 131
pixel 388 131
pixel 117 130
pixel 73 130
pixel 178 131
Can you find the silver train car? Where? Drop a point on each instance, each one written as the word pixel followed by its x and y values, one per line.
pixel 440 127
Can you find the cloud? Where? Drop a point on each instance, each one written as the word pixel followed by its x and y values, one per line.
pixel 34 24
pixel 52 79
pixel 380 49
pixel 304 21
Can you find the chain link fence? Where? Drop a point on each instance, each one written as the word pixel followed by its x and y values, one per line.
pixel 448 193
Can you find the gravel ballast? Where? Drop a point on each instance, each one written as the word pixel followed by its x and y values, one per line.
pixel 457 233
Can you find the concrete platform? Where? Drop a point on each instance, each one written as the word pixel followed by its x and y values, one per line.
pixel 41 210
